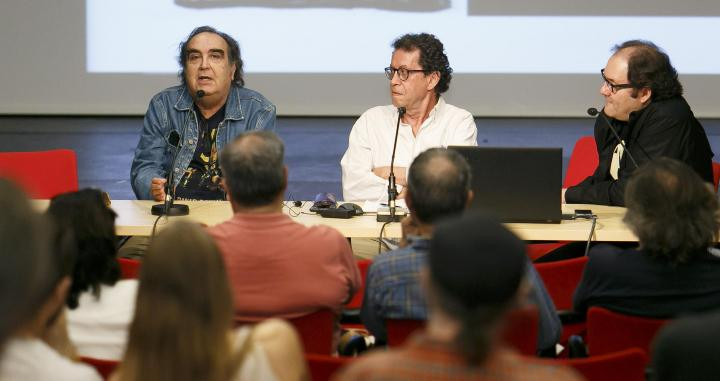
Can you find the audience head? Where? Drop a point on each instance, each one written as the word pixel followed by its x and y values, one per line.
pixel 438 185
pixel 35 275
pixel 476 267
pixel 671 210
pixel 253 169
pixel 183 313
pixel 86 216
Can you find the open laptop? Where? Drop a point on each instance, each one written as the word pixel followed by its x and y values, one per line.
pixel 516 184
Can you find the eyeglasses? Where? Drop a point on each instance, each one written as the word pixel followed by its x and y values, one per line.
pixel 614 87
pixel 403 72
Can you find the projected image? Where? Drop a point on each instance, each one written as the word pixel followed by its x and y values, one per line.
pixel 595 8
pixel 398 5
pixel 354 36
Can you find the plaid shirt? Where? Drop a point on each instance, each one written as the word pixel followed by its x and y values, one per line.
pixel 423 358
pixel 392 287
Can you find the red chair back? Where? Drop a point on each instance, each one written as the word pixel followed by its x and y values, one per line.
pixel 609 331
pixel 627 365
pixel 104 367
pixel 356 302
pixel 316 331
pixel 520 330
pixel 561 278
pixel 42 174
pixel 583 161
pixel 716 174
pixel 323 367
pixel 129 268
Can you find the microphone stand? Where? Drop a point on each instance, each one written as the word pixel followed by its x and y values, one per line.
pixel 392 187
pixel 169 208
pixel 592 111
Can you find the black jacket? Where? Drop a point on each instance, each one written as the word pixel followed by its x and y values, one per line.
pixel 663 128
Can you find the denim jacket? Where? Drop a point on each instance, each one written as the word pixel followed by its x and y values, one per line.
pixel 172 110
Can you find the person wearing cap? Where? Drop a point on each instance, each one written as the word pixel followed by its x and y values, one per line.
pixel 438 187
pixel 419 73
pixel 475 274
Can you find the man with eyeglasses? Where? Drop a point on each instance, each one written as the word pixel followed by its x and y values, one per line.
pixel 419 73
pixel 644 103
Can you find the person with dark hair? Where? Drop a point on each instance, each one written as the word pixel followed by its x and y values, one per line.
pixel 35 283
pixel 674 269
pixel 277 267
pixel 198 118
pixel 419 73
pixel 183 324
pixel 438 188
pixel 100 304
pixel 474 274
pixel 644 103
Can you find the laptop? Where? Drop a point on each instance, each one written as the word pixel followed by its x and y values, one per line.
pixel 516 184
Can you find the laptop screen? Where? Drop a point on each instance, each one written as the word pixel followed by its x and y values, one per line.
pixel 516 184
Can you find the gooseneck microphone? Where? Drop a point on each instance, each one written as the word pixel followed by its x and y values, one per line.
pixel 592 111
pixel 169 208
pixel 392 188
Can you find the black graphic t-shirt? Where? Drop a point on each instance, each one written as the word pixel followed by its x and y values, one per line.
pixel 201 180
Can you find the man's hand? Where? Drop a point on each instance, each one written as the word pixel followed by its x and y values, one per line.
pixel 400 174
pixel 562 195
pixel 157 188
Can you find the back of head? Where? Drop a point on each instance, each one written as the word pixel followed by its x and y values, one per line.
pixel 432 56
pixel 91 223
pixel 27 273
pixel 253 168
pixel 649 66
pixel 184 311
pixel 671 210
pixel 438 184
pixel 476 268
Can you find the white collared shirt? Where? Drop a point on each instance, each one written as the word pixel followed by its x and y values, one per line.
pixel 371 143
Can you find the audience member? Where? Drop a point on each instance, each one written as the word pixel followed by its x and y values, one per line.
pixel 438 187
pixel 35 283
pixel 277 267
pixel 687 349
pixel 474 275
pixel 673 270
pixel 100 305
pixel 182 328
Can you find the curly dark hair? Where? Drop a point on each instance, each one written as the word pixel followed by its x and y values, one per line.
pixel 85 217
pixel 673 211
pixel 233 53
pixel 432 56
pixel 649 66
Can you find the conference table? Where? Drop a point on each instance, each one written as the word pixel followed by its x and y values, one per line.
pixel 134 218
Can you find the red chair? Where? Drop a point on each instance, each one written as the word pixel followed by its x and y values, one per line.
pixel 356 302
pixel 316 330
pixel 104 367
pixel 561 278
pixel 42 174
pixel 627 365
pixel 716 174
pixel 323 367
pixel 609 331
pixel 520 330
pixel 129 268
pixel 583 161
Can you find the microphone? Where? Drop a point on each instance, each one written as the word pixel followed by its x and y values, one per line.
pixel 169 208
pixel 592 111
pixel 392 188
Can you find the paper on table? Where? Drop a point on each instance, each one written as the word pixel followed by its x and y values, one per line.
pixel 372 206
